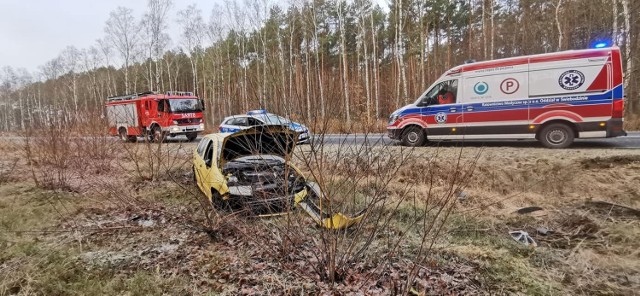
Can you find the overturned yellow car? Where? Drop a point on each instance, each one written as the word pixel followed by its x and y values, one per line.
pixel 249 171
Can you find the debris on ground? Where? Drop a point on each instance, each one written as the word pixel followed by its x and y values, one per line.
pixel 523 237
pixel 528 210
pixel 544 231
pixel 610 208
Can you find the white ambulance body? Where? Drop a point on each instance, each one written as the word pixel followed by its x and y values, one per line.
pixel 553 97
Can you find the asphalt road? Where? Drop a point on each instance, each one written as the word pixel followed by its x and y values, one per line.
pixel 631 141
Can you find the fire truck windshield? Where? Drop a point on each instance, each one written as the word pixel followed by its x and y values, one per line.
pixel 185 105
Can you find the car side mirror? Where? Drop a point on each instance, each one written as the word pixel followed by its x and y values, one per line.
pixel 424 102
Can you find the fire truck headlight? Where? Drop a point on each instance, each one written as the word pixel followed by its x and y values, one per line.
pixel 175 129
pixel 202 126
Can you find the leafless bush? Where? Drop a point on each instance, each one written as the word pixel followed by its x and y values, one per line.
pixel 49 153
pixel 401 223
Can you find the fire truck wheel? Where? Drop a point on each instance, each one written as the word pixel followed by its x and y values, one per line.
pixel 192 136
pixel 413 136
pixel 122 132
pixel 157 135
pixel 556 135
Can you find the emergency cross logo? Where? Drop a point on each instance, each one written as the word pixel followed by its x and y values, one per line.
pixel 441 117
pixel 571 79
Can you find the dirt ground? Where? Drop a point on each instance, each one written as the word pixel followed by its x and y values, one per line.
pixel 121 222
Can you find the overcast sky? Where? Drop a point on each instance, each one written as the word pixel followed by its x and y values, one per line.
pixel 35 31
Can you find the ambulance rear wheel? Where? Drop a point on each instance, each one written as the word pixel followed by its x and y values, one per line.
pixel 556 136
pixel 413 136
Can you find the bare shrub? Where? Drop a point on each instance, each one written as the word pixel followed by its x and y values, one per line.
pixel 49 153
pixel 400 225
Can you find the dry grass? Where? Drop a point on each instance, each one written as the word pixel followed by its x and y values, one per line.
pixel 140 229
pixel 632 123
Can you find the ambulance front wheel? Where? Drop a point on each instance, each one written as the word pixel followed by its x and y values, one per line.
pixel 557 135
pixel 413 136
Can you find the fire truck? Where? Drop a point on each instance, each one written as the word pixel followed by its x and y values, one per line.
pixel 155 116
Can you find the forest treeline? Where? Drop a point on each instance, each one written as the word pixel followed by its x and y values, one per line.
pixel 347 61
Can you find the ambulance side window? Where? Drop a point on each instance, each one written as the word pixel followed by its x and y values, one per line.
pixel 443 93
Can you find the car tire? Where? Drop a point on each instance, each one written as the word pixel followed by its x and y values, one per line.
pixel 413 136
pixel 157 135
pixel 192 136
pixel 122 133
pixel 218 203
pixel 556 136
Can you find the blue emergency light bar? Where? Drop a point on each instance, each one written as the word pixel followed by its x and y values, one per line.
pixel 256 112
pixel 600 43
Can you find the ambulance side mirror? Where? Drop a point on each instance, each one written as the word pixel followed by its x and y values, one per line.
pixel 425 102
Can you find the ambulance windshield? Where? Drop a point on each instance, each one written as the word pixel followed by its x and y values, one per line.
pixel 185 105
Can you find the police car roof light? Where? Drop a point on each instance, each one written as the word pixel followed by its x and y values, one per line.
pixel 255 112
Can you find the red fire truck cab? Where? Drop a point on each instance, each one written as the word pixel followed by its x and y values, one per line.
pixel 155 115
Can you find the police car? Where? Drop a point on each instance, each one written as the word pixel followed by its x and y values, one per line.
pixel 236 123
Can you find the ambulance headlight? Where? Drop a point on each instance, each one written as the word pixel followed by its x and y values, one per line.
pixel 393 118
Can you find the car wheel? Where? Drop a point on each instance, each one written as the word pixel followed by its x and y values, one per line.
pixel 218 203
pixel 413 136
pixel 122 132
pixel 556 136
pixel 157 135
pixel 191 136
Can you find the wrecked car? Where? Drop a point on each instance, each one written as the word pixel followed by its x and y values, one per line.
pixel 249 171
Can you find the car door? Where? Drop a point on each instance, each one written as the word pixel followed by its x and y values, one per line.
pixel 442 111
pixel 251 121
pixel 201 171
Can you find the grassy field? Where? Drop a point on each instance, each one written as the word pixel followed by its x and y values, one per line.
pixel 94 217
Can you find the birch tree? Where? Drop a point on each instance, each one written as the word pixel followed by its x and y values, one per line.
pixel 156 24
pixel 345 66
pixel 193 28
pixel 123 33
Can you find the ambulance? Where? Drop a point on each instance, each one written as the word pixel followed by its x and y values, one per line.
pixel 553 98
